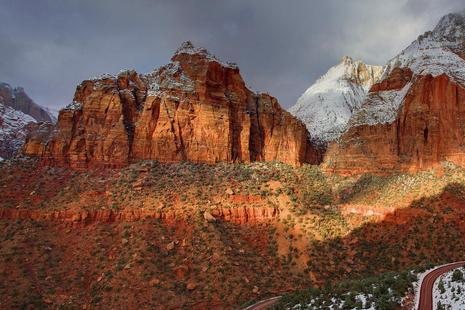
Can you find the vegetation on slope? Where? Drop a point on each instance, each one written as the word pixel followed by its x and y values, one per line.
pixel 327 229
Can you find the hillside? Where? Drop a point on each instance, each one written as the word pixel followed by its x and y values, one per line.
pixel 151 235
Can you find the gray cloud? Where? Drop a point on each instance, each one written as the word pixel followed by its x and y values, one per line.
pixel 49 46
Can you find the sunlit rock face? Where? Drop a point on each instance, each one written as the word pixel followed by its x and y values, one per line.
pixel 413 117
pixel 195 108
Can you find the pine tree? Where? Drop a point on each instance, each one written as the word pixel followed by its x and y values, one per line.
pixel 441 287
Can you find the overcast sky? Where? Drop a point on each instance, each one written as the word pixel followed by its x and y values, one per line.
pixel 281 47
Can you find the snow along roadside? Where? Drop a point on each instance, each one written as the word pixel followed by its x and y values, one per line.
pixel 420 282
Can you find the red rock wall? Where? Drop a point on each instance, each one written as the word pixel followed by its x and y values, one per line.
pixel 82 217
pixel 211 117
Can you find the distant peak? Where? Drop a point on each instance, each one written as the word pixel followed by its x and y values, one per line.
pixel 346 59
pixel 451 26
pixel 188 48
pixel 186 45
pixel 19 89
pixel 6 85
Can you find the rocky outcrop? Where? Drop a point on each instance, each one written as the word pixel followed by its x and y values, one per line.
pixel 196 108
pixel 413 118
pixel 37 134
pixel 327 105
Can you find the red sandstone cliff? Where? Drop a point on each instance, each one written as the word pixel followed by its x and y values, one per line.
pixel 196 108
pixel 413 118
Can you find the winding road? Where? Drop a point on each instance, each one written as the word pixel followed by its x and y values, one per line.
pixel 425 301
pixel 263 304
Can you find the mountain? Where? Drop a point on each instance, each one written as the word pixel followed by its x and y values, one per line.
pixel 13 130
pixel 412 119
pixel 327 105
pixel 18 99
pixel 195 108
pixel 17 111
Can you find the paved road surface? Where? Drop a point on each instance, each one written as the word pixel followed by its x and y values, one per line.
pixel 263 304
pixel 426 290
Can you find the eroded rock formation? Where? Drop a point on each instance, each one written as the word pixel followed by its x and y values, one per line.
pixel 196 108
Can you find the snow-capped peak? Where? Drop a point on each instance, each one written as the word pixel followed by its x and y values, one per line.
pixel 437 52
pixel 451 27
pixel 441 51
pixel 327 105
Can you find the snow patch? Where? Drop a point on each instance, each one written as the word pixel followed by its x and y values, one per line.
pixel 103 76
pixel 452 297
pixel 380 107
pixel 73 106
pixel 169 77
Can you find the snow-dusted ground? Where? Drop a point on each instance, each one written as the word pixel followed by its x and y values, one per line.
pixel 369 296
pixel 328 104
pixel 453 296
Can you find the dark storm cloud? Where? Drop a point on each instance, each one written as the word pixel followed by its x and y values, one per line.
pixel 281 46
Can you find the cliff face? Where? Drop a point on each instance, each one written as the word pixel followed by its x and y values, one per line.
pixel 196 108
pixel 327 105
pixel 413 118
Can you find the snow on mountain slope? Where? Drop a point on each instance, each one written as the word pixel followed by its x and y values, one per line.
pixel 12 130
pixel 19 100
pixel 437 52
pixel 327 105
pixel 17 110
pixel 441 51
